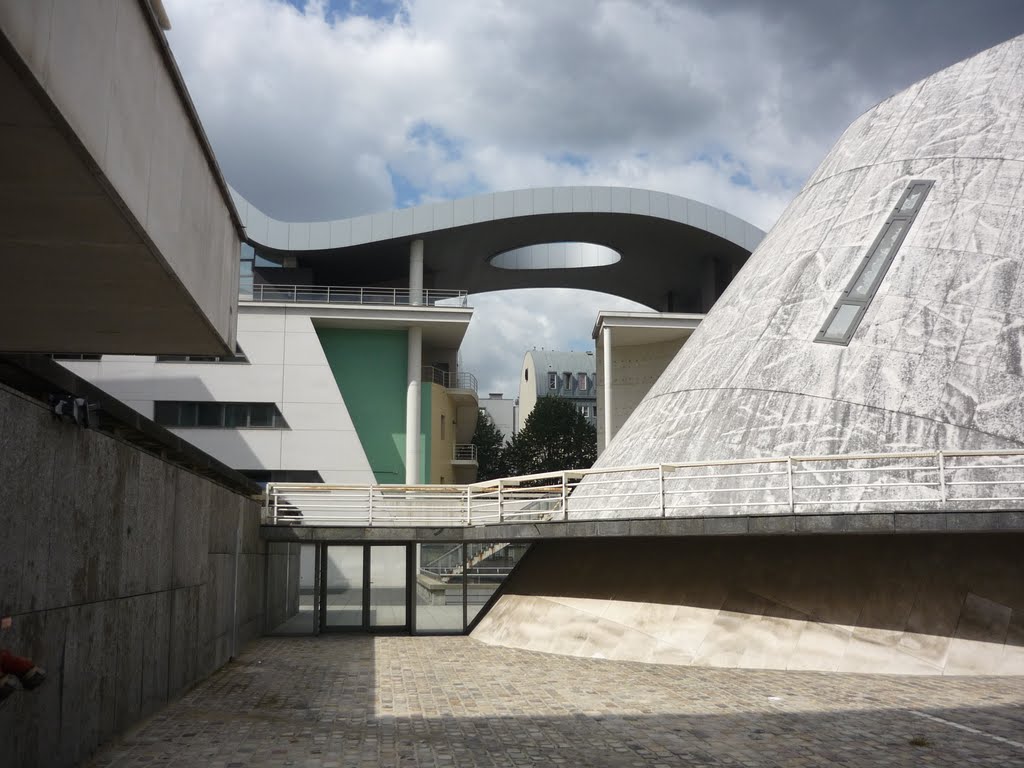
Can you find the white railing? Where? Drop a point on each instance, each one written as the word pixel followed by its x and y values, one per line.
pixel 340 294
pixel 463 452
pixel 447 379
pixel 861 483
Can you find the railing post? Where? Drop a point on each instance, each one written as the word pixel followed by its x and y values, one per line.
pixel 369 509
pixel 789 483
pixel 328 294
pixel 661 488
pixel 942 477
pixel 295 293
pixel 501 509
pixel 565 497
pixel 267 511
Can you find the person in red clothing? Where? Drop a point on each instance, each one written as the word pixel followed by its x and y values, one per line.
pixel 18 672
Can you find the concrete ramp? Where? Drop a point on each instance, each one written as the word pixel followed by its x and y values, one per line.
pixel 948 604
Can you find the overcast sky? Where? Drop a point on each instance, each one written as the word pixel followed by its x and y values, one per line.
pixel 320 110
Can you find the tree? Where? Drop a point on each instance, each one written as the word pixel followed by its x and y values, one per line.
pixel 556 436
pixel 490 446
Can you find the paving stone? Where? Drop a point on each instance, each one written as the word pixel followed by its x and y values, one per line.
pixel 334 702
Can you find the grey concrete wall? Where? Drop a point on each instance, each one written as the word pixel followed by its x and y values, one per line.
pixel 948 604
pixel 283 577
pixel 118 570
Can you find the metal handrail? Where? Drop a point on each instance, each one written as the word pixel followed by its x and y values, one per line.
pixel 463 452
pixel 447 379
pixel 919 481
pixel 343 294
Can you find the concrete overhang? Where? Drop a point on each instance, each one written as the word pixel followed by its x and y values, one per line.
pixel 442 326
pixel 632 328
pixel 677 254
pixel 118 233
pixel 907 523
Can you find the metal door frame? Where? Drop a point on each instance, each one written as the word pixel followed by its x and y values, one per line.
pixel 364 626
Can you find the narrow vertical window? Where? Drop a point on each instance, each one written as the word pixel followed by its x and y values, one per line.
pixel 844 319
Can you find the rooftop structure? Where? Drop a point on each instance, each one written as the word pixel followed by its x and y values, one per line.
pixel 667 252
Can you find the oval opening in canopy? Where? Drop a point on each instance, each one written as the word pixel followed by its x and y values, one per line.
pixel 556 256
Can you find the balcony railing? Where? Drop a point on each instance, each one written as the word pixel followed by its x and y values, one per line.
pixel 464 452
pixel 340 294
pixel 449 380
pixel 981 481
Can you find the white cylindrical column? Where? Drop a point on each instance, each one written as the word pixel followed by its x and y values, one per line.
pixel 412 407
pixel 416 273
pixel 606 340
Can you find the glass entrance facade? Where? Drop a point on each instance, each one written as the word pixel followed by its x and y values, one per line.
pixel 436 588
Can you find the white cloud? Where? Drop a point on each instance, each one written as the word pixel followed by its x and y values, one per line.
pixel 319 114
pixel 507 324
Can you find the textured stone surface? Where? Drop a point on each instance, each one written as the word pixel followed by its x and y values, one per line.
pixel 333 702
pixel 936 362
pixel 118 574
pixel 923 604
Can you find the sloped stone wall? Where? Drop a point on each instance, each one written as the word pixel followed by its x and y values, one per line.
pixel 949 604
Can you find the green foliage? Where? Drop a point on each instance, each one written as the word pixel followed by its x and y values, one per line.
pixel 489 448
pixel 556 436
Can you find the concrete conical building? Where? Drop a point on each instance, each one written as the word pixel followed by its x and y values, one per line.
pixel 936 358
pixel 884 312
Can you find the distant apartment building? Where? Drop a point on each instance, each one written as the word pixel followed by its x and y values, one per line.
pixel 503 412
pixel 567 375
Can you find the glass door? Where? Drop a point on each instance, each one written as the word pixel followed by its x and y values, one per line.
pixel 388 587
pixel 364 587
pixel 343 580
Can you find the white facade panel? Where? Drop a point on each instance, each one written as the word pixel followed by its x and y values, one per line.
pixel 245 449
pixel 304 349
pixel 324 450
pixel 309 384
pixel 262 347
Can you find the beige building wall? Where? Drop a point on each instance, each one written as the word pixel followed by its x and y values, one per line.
pixel 527 390
pixel 635 368
pixel 442 432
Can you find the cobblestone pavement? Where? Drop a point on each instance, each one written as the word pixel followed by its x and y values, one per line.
pixel 453 701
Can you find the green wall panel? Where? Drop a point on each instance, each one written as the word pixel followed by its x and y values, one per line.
pixel 369 367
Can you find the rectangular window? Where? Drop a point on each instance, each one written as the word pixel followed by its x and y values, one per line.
pixel 567 381
pixel 166 414
pixel 218 415
pixel 210 415
pixel 262 414
pixel 845 317
pixel 581 382
pixel 236 415
pixel 552 380
pixel 247 260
